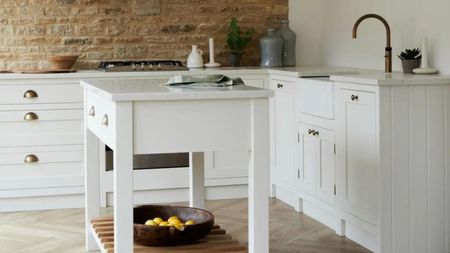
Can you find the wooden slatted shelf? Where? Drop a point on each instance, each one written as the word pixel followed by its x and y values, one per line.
pixel 217 241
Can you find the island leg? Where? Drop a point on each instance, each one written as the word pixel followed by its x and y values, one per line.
pixel 197 179
pixel 91 185
pixel 123 179
pixel 258 179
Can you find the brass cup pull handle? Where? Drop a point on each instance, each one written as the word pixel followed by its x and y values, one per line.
pixel 31 116
pixel 105 120
pixel 31 159
pixel 354 97
pixel 92 111
pixel 30 94
pixel 279 86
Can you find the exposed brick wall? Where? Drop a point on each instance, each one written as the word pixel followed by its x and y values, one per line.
pixel 31 30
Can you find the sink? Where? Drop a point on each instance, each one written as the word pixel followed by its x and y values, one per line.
pixel 315 96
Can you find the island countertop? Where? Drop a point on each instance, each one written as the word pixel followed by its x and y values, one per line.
pixel 151 89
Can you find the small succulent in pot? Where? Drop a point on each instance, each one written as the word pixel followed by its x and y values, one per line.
pixel 410 59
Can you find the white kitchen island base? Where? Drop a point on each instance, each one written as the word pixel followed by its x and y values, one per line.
pixel 145 117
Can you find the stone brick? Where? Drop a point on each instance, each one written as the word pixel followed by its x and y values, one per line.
pixel 147 7
pixel 30 30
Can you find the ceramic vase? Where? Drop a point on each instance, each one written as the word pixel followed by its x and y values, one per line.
pixel 195 58
pixel 271 49
pixel 289 43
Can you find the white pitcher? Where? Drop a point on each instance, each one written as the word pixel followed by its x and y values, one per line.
pixel 195 59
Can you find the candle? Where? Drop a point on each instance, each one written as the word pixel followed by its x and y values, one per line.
pixel 211 50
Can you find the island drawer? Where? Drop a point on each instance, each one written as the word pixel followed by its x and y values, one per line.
pixel 41 93
pixel 101 119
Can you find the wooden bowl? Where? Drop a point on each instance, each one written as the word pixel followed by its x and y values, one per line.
pixel 62 61
pixel 170 236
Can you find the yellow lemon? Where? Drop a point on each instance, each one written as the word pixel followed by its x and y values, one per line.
pixel 164 224
pixel 173 219
pixel 158 220
pixel 189 222
pixel 151 223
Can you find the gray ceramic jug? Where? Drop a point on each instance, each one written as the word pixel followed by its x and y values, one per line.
pixel 271 49
pixel 289 40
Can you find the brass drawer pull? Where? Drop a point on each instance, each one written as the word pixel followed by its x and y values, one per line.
pixel 92 111
pixel 31 116
pixel 30 94
pixel 105 120
pixel 31 159
pixel 354 97
pixel 279 86
pixel 316 133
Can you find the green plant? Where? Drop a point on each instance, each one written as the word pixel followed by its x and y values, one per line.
pixel 410 54
pixel 236 39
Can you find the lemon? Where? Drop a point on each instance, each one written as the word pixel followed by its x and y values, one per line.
pixel 151 223
pixel 189 222
pixel 164 224
pixel 158 220
pixel 173 219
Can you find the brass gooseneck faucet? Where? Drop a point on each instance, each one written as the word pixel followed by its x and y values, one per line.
pixel 388 52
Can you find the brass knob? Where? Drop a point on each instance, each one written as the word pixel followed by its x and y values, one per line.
pixel 31 159
pixel 316 133
pixel 105 120
pixel 310 131
pixel 30 94
pixel 354 97
pixel 92 111
pixel 279 86
pixel 31 116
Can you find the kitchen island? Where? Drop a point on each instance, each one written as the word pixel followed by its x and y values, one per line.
pixel 145 116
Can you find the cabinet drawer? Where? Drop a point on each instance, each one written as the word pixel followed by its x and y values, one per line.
pixel 41 168
pixel 280 85
pixel 254 83
pixel 315 97
pixel 41 122
pixel 100 119
pixel 41 93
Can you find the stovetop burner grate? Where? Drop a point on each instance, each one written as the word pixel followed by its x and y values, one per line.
pixel 140 65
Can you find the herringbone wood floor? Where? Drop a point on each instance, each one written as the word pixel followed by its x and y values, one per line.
pixel 62 231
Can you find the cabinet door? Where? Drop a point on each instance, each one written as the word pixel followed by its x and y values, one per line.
pixel 358 159
pixel 309 157
pixel 326 173
pixel 284 135
pixel 316 162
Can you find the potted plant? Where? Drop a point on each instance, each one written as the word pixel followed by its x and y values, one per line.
pixel 410 59
pixel 237 41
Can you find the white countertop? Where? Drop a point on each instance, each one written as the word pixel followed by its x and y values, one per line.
pixel 298 71
pixel 145 89
pixel 351 75
pixel 396 78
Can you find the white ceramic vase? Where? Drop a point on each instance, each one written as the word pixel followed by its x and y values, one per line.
pixel 424 68
pixel 195 59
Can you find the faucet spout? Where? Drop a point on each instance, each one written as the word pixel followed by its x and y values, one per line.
pixel 388 49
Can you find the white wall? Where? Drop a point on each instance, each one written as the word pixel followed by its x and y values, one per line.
pixel 410 20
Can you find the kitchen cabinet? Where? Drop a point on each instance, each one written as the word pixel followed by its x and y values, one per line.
pixel 316 163
pixel 41 151
pixel 359 176
pixel 283 138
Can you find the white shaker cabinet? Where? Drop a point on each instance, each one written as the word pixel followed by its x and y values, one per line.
pixel 316 163
pixel 283 138
pixel 358 153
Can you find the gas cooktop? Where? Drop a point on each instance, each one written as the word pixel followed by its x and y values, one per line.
pixel 141 65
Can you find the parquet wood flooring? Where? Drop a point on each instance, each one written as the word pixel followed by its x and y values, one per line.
pixel 62 231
